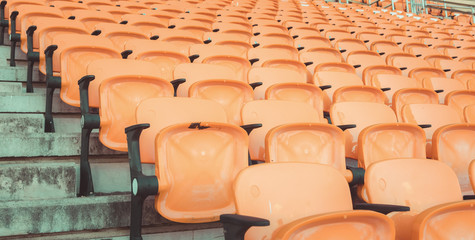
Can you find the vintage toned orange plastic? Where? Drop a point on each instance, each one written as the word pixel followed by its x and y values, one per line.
pixel 47 29
pixel 13 4
pixel 231 94
pixel 394 83
pixel 298 92
pixel 453 145
pixel 471 174
pixel 270 76
pixel 362 114
pixel 469 113
pixel 239 65
pixel 335 67
pixel 289 64
pixel 458 100
pixel 272 113
pixel 421 73
pixel 67 7
pixel 364 59
pixel 26 13
pixel 304 31
pixel 336 80
pixel 120 33
pixel 406 60
pixel 196 168
pixel 225 25
pixel 145 23
pixel 270 29
pixel 193 27
pixel 451 65
pixel 306 142
pixel 390 141
pixel 359 94
pixel 410 96
pixel 74 57
pixel 288 49
pixel 230 35
pixel 194 72
pixel 466 77
pixel 156 111
pixel 207 50
pixel 312 42
pixel 177 36
pixel 120 85
pixel 97 3
pixel 434 114
pixel 90 18
pixel 271 39
pixel 446 84
pixel 265 54
pixel 400 182
pixel 318 56
pixel 386 47
pixel 350 45
pixel 292 216
pixel 371 71
pixel 115 11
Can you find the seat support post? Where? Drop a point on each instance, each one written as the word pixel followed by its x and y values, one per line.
pixel 14 37
pixel 3 22
pixel 141 185
pixel 89 121
pixel 52 82
pixel 32 57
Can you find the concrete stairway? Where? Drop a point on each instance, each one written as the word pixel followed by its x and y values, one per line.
pixel 39 173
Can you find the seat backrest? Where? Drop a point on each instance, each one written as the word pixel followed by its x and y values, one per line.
pixel 239 65
pixel 403 183
pixel 390 141
pixel 120 33
pixel 410 96
pixel 458 100
pixel 359 94
pixel 272 113
pixel 206 50
pixel 90 18
pixel 197 165
pixel 394 83
pixel 453 145
pixel 370 72
pixel 298 92
pixel 299 182
pixel 471 173
pixel 362 114
pixel 156 111
pixel 469 113
pixel 270 76
pixel 446 84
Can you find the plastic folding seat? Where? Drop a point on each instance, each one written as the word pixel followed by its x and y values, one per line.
pixel 260 55
pixel 271 76
pixel 422 73
pixel 443 86
pixel 22 16
pixel 344 113
pixel 335 67
pixel 412 96
pixel 131 5
pixel 239 65
pixel 450 66
pixel 464 76
pixel 332 81
pixel 345 46
pixel 97 3
pixel 166 56
pixel 174 9
pixel 223 145
pixel 199 15
pixel 359 94
pixel 180 37
pixel 272 39
pixel 316 56
pixel 119 33
pixel 303 32
pixel 460 99
pixel 402 40
pixel 273 113
pixel 116 94
pixel 7 7
pixel 202 51
pixel 435 200
pixel 144 22
pixel 385 48
pixel 371 71
pixel 369 38
pixel 308 43
pixel 270 29
pixel 233 35
pixel 406 62
pixel 67 7
pixel 420 50
pixel 232 26
pixel 391 83
pixel 163 16
pixel 193 27
pixel 469 114
pixel 431 59
pixel 337 34
pixel 90 18
pixel 65 63
pixel 363 59
pixel 318 221
pixel 434 114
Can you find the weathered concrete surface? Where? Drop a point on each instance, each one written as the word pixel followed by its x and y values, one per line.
pixel 72 214
pixel 32 103
pixel 21 181
pixel 10 87
pixel 49 144
pixel 14 123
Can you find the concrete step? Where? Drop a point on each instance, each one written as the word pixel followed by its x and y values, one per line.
pixel 11 87
pixel 49 144
pixel 72 214
pixel 11 123
pixel 59 178
pixel 32 103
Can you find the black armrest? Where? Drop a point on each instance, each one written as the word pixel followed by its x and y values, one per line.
pixel 300 48
pixel 250 127
pixel 419 55
pixel 366 41
pixel 255 45
pixel 381 53
pixel 124 22
pixel 125 54
pixel 308 63
pixel 331 39
pixel 425 125
pixel 177 83
pixel 439 90
pixel 72 17
pixel 454 57
pixel 403 68
pixel 207 41
pixel 358 175
pixel 252 61
pixel 255 84
pixel 154 37
pixel 342 50
pixel 256 34
pixel 235 226
pixel 346 126
pixel 96 33
pixel 295 36
pixel 385 89
pixel 323 87
pixel 216 30
pixel 381 208
pixel 171 26
pixel 88 120
pixel 193 57
pixel 446 70
pixel 357 65
pixel 468 197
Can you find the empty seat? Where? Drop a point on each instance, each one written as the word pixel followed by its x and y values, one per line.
pixel 272 113
pixel 426 72
pixel 315 56
pixel 406 62
pixel 451 66
pixel 434 114
pixel 328 216
pixel 434 197
pixel 90 18
pixel 469 113
pixel 177 36
pixel 260 55
pixel 271 39
pixel 410 96
pixel 348 45
pixel 386 48
pixel 119 33
pixel 372 71
pixel 308 43
pixel 443 86
pixel 144 22
pixel 333 80
pixel 270 76
pixel 452 145
pixel 460 99
pixel 359 94
pixel 354 113
pixel 391 83
pixel 363 59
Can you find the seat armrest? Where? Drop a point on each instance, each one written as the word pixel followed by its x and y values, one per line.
pixel 235 226
pixel 381 208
